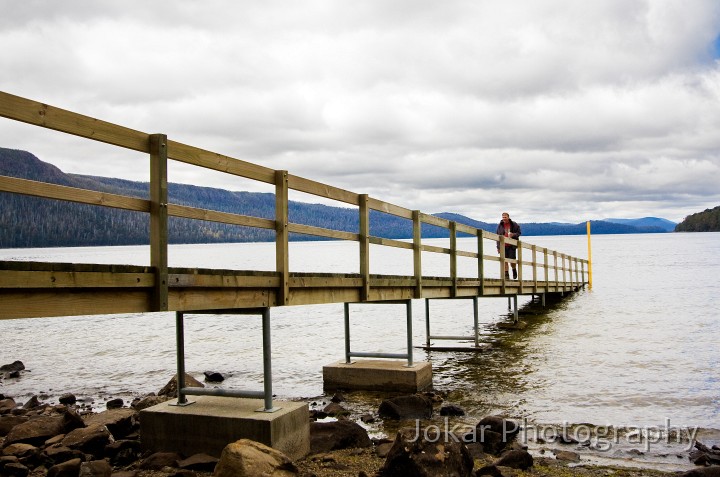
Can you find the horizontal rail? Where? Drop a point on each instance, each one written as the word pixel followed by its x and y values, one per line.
pixel 540 268
pixel 223 392
pixel 379 355
pixel 454 338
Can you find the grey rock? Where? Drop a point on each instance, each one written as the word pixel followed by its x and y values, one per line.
pixel 37 430
pixel 90 440
pixel 170 389
pixel 414 406
pixel 15 469
pixel 250 458
pixel 429 454
pixel 199 462
pixel 120 422
pixel 70 468
pixel 95 468
pixel 327 436
pixel 8 422
pixel 159 460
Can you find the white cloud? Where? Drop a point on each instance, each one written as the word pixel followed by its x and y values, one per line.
pixel 555 109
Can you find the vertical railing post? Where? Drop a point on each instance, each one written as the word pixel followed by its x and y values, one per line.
pixel 564 276
pixel 282 261
pixel 502 264
pixel 520 266
pixel 159 220
pixel 453 257
pixel 546 270
pixel 481 262
pixel 417 252
pixel 364 247
pixel 534 268
pixel 577 273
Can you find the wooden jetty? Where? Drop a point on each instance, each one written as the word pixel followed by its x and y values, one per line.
pixel 35 289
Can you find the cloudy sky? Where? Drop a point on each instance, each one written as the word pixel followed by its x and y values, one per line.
pixel 553 110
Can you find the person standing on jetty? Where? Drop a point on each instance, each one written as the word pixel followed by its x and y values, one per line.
pixel 510 229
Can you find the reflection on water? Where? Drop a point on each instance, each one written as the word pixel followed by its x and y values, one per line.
pixel 639 348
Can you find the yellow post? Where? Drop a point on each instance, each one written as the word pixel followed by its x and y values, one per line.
pixel 589 257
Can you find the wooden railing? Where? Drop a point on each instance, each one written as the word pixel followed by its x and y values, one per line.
pixel 545 265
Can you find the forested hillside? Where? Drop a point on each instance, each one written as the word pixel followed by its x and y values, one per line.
pixel 36 222
pixel 705 221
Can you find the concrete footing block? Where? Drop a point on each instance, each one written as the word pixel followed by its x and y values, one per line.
pixel 378 375
pixel 212 422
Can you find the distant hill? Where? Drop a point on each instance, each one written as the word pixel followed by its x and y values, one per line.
pixel 705 221
pixel 647 222
pixel 37 222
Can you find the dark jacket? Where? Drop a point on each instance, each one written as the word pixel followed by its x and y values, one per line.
pixel 514 231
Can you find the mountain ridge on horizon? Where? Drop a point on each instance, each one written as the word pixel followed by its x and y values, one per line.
pixel 36 222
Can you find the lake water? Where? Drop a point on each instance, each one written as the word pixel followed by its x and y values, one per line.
pixel 638 351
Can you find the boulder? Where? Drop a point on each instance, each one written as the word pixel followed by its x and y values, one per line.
pixel 159 460
pixel 246 458
pixel 90 440
pixel 452 410
pixel 15 469
pixel 414 406
pixel 116 403
pixel 148 401
pixel 59 453
pixel 95 468
pixel 7 405
pixel 427 454
pixel 334 409
pixel 495 433
pixel 36 431
pixel 213 377
pixel 123 452
pixel 67 398
pixel 199 462
pixel 567 456
pixel 7 422
pixel 70 468
pixel 713 471
pixel 20 450
pixel 14 366
pixel 517 459
pixel 170 389
pixel 72 420
pixel 31 403
pixel 327 436
pixel 119 422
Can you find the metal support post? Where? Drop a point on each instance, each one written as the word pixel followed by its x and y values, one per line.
pixel 180 346
pixel 347 333
pixel 409 334
pixel 409 355
pixel 267 362
pixel 515 308
pixel 475 321
pixel 427 322
pixel 266 394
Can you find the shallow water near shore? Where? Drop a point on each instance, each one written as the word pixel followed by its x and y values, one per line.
pixel 637 352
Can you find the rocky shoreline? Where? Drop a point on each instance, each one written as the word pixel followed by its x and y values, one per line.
pixel 66 439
